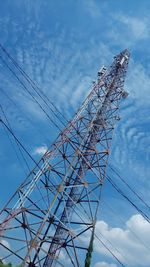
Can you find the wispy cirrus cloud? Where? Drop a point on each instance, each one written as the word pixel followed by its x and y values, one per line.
pixel 128 31
pixel 138 27
pixel 93 8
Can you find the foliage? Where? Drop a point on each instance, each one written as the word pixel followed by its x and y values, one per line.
pixel 7 265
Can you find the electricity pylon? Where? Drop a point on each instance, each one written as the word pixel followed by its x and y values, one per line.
pixel 54 210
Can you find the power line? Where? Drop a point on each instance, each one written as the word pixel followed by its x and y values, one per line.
pixel 13 147
pixel 36 88
pixel 30 80
pixel 15 141
pixel 132 190
pixel 127 198
pixel 117 215
pixel 114 256
pixel 23 114
pixel 32 96
pixel 18 141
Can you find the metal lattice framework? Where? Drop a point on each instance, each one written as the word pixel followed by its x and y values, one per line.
pixel 50 213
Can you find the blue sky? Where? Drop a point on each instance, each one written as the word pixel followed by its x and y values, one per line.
pixel 61 45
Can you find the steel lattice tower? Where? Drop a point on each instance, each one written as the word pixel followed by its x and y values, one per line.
pixel 57 204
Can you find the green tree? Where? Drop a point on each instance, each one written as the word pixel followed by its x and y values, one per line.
pixel 7 265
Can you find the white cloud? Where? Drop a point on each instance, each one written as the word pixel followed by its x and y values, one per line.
pixel 92 8
pixel 105 264
pixel 127 31
pixel 130 244
pixel 138 27
pixel 40 150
